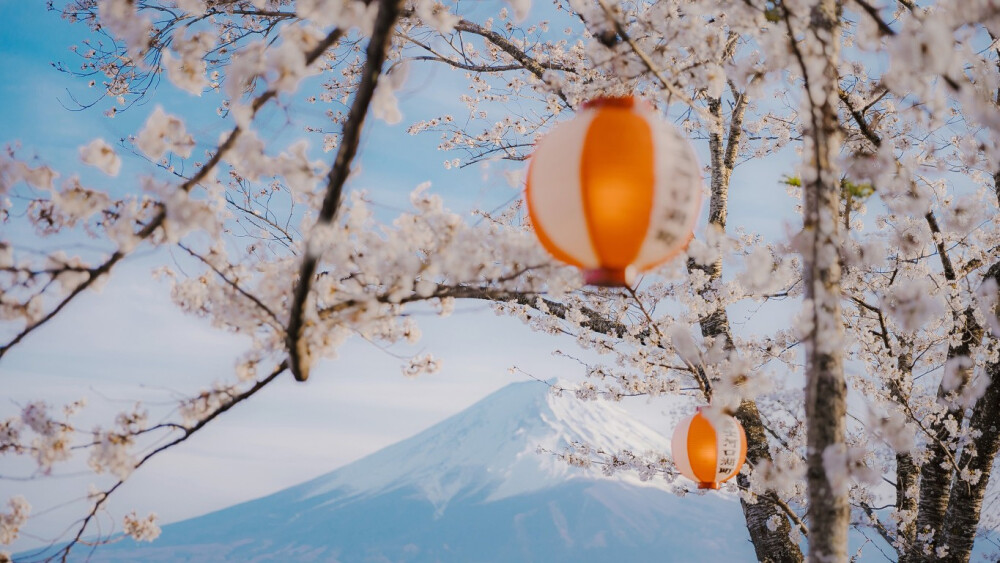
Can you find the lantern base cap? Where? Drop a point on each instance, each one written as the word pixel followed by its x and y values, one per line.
pixel 713 486
pixel 609 277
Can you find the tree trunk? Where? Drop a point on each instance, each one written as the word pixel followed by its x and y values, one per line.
pixel 966 501
pixel 826 389
pixel 958 530
pixel 907 472
pixel 951 507
pixel 936 472
pixel 772 546
pixel 775 546
pixel 907 475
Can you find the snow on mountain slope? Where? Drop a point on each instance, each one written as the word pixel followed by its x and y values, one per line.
pixel 472 488
pixel 494 444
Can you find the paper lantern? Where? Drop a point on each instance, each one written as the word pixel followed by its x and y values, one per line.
pixel 614 191
pixel 709 451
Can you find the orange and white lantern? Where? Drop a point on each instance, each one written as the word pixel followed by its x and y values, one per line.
pixel 709 451
pixel 614 191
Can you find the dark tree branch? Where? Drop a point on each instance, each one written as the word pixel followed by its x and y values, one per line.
pixel 483 68
pixel 859 118
pixel 872 11
pixel 376 54
pixel 965 503
pixel 533 66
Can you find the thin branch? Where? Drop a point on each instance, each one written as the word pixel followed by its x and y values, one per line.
pixel 773 498
pixel 881 321
pixel 648 62
pixel 234 285
pixel 877 524
pixel 161 215
pixel 481 68
pixel 506 46
pixel 188 432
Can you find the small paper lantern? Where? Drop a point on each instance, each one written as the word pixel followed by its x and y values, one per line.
pixel 709 453
pixel 613 191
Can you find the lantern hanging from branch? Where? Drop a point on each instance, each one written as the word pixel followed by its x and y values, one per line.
pixel 707 450
pixel 613 191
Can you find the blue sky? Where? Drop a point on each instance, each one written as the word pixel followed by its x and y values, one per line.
pixel 128 342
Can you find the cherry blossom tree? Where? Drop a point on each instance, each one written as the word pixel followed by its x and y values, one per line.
pixel 874 408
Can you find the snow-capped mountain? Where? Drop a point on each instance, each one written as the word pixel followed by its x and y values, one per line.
pixel 492 447
pixel 472 488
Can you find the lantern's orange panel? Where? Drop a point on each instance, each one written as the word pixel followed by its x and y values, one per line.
pixel 543 237
pixel 702 449
pixel 743 448
pixel 617 180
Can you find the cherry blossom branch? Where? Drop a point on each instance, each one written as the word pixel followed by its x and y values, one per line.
pixel 232 283
pixel 886 30
pixel 523 59
pixel 506 46
pixel 595 321
pixel 157 221
pixel 947 268
pixel 875 139
pixel 651 66
pixel 93 274
pixel 772 497
pixel 879 527
pixel 703 382
pixel 376 54
pixel 481 68
pixel 932 436
pixel 881 321
pixel 253 216
pixel 187 432
pixel 859 118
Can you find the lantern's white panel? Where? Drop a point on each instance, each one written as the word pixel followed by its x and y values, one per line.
pixel 676 196
pixel 678 447
pixel 727 442
pixel 556 194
